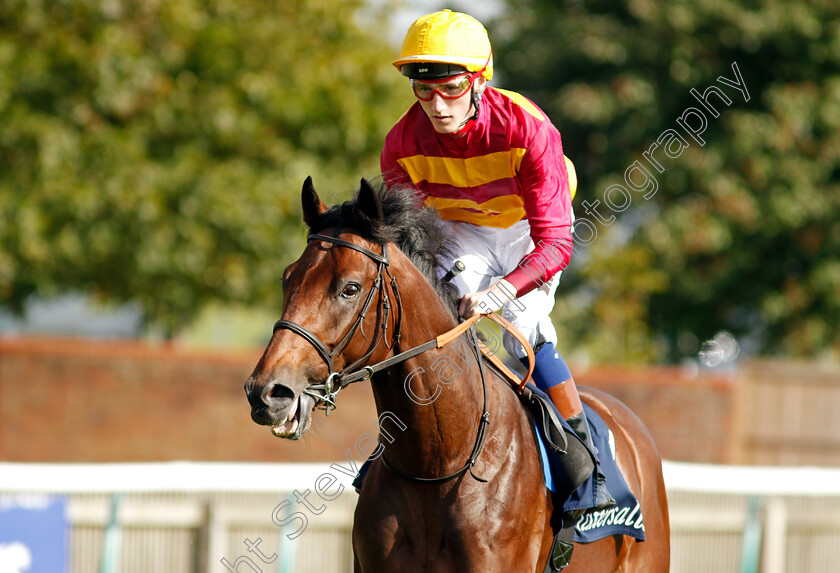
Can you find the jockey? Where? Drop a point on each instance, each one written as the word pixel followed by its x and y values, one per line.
pixel 491 163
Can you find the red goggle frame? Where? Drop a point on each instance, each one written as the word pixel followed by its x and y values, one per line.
pixel 452 87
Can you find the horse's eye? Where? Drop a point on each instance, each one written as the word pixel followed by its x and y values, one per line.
pixel 351 290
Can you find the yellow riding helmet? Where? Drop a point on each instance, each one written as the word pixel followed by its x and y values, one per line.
pixel 447 37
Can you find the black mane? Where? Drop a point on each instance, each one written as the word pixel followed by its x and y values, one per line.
pixel 407 223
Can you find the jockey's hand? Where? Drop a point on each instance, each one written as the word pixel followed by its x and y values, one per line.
pixel 487 300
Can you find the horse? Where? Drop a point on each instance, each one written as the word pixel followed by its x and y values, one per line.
pixel 456 483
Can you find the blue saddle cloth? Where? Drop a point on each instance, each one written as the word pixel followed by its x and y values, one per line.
pixel 625 517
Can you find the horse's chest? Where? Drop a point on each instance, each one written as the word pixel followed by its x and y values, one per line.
pixel 416 534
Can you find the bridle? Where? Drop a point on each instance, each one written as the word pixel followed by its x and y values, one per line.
pixel 325 393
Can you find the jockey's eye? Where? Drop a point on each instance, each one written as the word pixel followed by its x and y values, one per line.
pixel 351 290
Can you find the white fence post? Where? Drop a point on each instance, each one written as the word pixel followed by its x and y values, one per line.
pixel 775 536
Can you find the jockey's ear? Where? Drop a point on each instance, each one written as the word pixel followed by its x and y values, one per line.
pixel 367 202
pixel 312 204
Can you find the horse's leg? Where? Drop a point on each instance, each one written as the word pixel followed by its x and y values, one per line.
pixel 641 466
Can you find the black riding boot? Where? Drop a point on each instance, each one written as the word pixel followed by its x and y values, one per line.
pixel 603 498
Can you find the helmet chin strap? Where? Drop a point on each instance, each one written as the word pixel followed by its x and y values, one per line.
pixel 468 122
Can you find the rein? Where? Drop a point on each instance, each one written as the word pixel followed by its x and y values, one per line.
pixel 479 439
pixel 325 394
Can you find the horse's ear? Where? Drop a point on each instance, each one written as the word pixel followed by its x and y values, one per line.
pixel 312 204
pixel 367 202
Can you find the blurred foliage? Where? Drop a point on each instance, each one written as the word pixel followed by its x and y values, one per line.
pixel 154 151
pixel 742 234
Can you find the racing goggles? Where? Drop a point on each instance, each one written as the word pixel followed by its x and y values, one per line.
pixel 452 87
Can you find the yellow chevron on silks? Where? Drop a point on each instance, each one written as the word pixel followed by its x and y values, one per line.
pixel 473 171
pixel 463 172
pixel 500 212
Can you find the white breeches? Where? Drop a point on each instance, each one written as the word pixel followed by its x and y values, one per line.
pixel 489 254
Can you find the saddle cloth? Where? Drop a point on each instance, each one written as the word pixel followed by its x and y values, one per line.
pixel 625 517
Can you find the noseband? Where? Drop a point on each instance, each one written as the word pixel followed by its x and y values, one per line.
pixel 325 393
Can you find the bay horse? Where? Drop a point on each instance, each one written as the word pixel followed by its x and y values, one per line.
pixel 460 488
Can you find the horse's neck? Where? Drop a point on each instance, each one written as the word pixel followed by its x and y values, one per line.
pixel 437 396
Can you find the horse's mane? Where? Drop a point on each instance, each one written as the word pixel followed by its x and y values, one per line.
pixel 407 223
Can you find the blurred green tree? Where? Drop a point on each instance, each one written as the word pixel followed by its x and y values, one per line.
pixel 154 151
pixel 742 231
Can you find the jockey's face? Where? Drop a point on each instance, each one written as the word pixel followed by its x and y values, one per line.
pixel 449 114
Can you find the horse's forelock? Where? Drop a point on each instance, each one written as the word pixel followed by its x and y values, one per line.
pixel 407 223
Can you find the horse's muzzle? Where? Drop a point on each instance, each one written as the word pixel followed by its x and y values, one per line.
pixel 277 405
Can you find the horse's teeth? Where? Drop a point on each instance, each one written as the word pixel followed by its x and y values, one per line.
pixel 290 424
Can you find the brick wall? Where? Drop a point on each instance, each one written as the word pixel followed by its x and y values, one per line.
pixel 89 401
pixel 692 416
pixel 83 401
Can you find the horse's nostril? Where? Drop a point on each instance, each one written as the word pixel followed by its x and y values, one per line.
pixel 278 391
